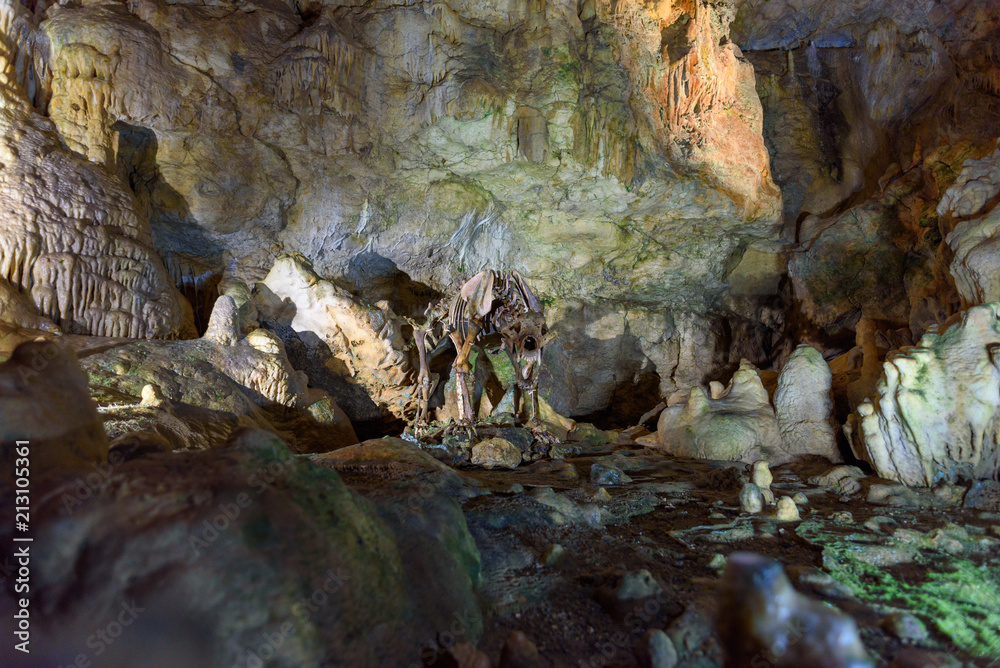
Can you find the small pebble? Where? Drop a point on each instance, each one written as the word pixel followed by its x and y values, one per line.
pixel 768 529
pixel 656 650
pixel 787 510
pixel 718 562
pixel 602 474
pixel 881 524
pixel 842 517
pixel 119 369
pixel 815 581
pixel 800 499
pixel 519 652
pixel 640 584
pixel 751 498
pixel 554 555
pixel 151 396
pixel 601 495
pixel 466 655
pixel 904 626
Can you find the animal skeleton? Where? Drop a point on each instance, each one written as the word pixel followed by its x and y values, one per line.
pixel 490 303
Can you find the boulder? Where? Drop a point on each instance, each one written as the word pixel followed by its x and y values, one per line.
pixel 263 550
pixel 352 349
pixel 44 401
pixel 201 390
pixel 496 453
pixel 763 618
pixel 842 479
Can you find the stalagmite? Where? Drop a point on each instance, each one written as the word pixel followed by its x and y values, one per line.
pixel 932 417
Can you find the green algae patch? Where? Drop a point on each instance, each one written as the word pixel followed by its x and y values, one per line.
pixel 956 596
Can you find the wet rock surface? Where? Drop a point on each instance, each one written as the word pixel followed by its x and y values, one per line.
pixel 577 603
pixel 539 564
pixel 252 544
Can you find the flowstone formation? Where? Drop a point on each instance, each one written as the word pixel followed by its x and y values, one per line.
pixel 74 242
pixel 350 347
pixel 933 416
pixel 195 393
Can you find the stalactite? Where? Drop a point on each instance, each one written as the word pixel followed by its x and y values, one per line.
pixel 321 67
pixel 605 141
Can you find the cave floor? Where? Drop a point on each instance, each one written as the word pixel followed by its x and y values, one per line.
pixel 924 555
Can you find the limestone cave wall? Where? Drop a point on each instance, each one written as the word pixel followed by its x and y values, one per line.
pixel 685 183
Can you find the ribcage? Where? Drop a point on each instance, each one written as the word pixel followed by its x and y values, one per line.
pixel 495 298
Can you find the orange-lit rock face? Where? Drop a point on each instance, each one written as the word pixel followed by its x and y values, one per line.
pixel 696 92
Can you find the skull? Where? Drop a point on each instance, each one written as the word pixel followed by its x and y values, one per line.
pixel 526 336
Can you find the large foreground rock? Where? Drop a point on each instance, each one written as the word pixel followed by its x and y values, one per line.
pixel 763 620
pixel 44 400
pixel 933 416
pixel 246 551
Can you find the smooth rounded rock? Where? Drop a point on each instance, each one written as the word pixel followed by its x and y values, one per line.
pixel 152 396
pixel 787 511
pixel 604 474
pixel 656 650
pixel 904 626
pixel 520 652
pixel 760 610
pixel 554 554
pixel 751 499
pixel 496 453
